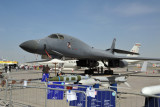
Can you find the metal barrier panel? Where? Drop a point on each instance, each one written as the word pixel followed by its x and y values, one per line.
pixel 33 96
pixel 4 93
pixel 130 100
pixel 136 100
pixel 152 102
pixel 28 96
pixel 105 98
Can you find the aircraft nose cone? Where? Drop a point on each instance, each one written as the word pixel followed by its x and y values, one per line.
pixel 30 46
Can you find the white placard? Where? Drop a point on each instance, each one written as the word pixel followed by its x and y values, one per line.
pixel 25 83
pixel 90 92
pixel 71 95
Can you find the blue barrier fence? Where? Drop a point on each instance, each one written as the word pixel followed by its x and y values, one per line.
pixel 56 94
pixel 102 98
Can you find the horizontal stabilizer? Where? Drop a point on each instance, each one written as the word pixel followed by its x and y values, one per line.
pixel 123 51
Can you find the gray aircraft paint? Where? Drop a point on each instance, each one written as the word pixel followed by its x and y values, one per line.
pixel 78 49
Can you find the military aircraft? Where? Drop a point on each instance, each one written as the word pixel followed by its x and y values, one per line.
pixel 71 64
pixel 63 46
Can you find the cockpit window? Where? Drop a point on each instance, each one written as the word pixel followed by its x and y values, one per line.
pixel 61 36
pixel 54 36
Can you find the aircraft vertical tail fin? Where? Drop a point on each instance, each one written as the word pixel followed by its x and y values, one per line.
pixel 113 46
pixel 144 66
pixel 113 50
pixel 135 49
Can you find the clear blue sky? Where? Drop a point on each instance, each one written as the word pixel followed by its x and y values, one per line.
pixel 95 22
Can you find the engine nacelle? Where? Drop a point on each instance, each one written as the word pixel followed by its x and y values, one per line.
pixel 117 63
pixel 87 63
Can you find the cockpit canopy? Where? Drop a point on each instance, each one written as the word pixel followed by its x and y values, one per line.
pixel 56 36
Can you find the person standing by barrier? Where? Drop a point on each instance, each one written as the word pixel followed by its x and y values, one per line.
pixel 47 69
pixel 43 70
pixel 45 74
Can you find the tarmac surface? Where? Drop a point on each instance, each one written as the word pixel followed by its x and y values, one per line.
pixel 36 97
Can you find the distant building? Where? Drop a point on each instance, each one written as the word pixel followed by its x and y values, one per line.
pixel 10 63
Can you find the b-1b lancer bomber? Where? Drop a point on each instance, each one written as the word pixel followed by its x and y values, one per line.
pixel 63 46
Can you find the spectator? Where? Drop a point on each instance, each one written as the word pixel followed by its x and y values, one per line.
pixel 47 69
pixel 45 75
pixel 43 69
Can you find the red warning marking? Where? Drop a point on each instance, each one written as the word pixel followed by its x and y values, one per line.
pixel 48 54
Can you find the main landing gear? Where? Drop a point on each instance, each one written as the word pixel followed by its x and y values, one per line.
pixel 90 71
pixel 100 71
pixel 108 72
